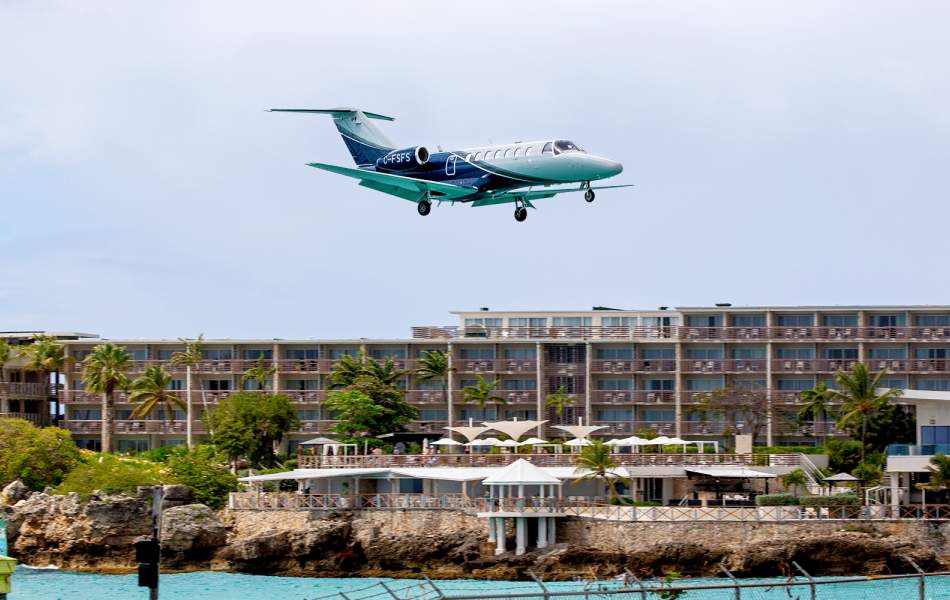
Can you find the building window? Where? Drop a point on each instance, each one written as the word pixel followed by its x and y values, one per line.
pixel 300 385
pixel 933 385
pixel 310 414
pixel 521 414
pixel 572 321
pixel 839 320
pixel 703 320
pixel 137 354
pixel 338 352
pixel 216 354
pixel 566 354
pixel 748 353
pixel 384 353
pixel 614 353
pixel 521 353
pixel 934 434
pixel 931 353
pixel 86 414
pixel 477 353
pixel 257 353
pixel 217 385
pixel 658 385
pixel 703 384
pixel 894 382
pixel 704 353
pixel 795 353
pixel 132 446
pixel 177 385
pixel 932 320
pixel 614 385
pixel 886 320
pixel 658 414
pixel 795 385
pixel 749 384
pixel 795 320
pixel 618 321
pixel 841 353
pixel 748 320
pixel 302 353
pixel 888 353
pixel 166 354
pixel 651 353
pixel 483 321
pixel 433 414
pixel 519 385
pixel 614 414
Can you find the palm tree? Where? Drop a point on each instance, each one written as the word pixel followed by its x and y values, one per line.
pixel 104 371
pixel 860 398
pixel 596 462
pixel 48 356
pixel 347 370
pixel 190 358
pixel 385 372
pixel 816 405
pixel 5 351
pixel 150 390
pixel 433 365
pixel 259 374
pixel 559 400
pixel 794 479
pixel 483 392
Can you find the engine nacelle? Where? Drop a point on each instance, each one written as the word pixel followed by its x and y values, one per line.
pixel 403 160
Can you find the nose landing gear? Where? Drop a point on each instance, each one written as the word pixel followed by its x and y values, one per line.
pixel 589 195
pixel 424 206
pixel 521 213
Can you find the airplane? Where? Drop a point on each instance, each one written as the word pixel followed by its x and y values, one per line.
pixel 516 173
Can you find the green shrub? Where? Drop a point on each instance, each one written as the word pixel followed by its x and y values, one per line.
pixel 112 474
pixel 627 502
pixel 832 500
pixel 783 499
pixel 205 473
pixel 37 456
pixel 159 454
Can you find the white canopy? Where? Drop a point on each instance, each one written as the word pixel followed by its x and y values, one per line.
pixel 470 433
pixel 513 429
pixel 445 442
pixel 579 431
pixel 484 442
pixel 521 472
pixel 319 441
pixel 508 444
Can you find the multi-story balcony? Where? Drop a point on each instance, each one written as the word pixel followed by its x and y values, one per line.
pixel 500 365
pixel 688 333
pixel 135 426
pixel 622 367
pixel 35 418
pixel 315 365
pixel 632 397
pixel 84 397
pixel 23 390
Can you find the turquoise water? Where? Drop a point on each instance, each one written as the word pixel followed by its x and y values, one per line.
pixel 49 584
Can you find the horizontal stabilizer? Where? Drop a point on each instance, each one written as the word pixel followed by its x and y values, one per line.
pixel 409 188
pixel 332 111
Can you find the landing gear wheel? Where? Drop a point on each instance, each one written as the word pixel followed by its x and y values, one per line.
pixel 589 195
pixel 424 206
pixel 521 213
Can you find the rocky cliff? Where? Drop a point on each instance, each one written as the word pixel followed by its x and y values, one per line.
pixel 98 534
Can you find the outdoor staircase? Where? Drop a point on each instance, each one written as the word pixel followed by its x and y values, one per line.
pixel 813 475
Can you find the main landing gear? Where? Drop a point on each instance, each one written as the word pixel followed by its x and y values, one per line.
pixel 521 213
pixel 424 207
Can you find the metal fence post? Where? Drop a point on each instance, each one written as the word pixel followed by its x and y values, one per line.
pixel 388 590
pixel 537 580
pixel 643 592
pixel 433 586
pixel 811 581
pixel 922 584
pixel 735 582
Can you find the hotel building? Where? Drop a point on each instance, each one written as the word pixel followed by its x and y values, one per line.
pixel 626 369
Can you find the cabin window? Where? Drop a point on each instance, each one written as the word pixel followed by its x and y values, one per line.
pixel 561 146
pixel 478 156
pixel 548 148
pixel 528 151
pixel 507 152
pixel 468 158
pixel 517 152
pixel 497 154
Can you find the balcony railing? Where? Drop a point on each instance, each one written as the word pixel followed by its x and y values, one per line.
pixel 632 396
pixel 23 390
pixel 34 418
pixel 917 450
pixel 129 426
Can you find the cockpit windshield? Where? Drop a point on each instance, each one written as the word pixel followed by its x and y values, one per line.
pixel 561 146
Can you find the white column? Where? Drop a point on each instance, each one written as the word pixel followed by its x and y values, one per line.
pixel 539 386
pixel 449 399
pixel 552 531
pixel 895 498
pixel 500 535
pixel 542 532
pixel 491 529
pixel 521 534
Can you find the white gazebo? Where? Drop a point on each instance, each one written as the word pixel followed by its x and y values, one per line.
pixel 507 499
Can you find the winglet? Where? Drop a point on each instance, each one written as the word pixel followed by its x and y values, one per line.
pixel 333 111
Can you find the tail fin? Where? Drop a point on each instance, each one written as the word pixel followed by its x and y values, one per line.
pixel 365 142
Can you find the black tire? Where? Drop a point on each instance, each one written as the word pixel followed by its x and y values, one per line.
pixel 521 214
pixel 424 206
pixel 589 195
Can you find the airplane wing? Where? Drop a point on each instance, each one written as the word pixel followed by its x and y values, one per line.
pixel 530 195
pixel 407 188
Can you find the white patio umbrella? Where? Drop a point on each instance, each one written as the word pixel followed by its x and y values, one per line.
pixel 482 442
pixel 578 442
pixel 533 441
pixel 508 444
pixel 445 442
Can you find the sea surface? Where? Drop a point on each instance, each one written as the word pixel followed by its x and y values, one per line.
pixel 52 584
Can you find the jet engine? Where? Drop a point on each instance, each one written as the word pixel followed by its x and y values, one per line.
pixel 403 160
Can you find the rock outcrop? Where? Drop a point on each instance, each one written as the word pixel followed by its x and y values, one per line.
pixel 15 491
pixel 98 534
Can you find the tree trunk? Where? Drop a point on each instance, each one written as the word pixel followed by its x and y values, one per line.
pixel 55 397
pixel 864 427
pixel 188 416
pixel 108 422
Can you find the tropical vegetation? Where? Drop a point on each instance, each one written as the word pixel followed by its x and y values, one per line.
pixel 47 356
pixel 249 425
pixel 105 371
pixel 861 398
pixel 596 462
pixel 189 358
pixel 559 400
pixel 37 456
pixel 483 393
pixel 150 391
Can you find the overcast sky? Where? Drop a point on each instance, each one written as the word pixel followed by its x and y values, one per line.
pixel 783 153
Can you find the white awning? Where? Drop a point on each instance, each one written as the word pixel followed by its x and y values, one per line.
pixel 315 474
pixel 580 431
pixel 470 433
pixel 513 429
pixel 734 473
